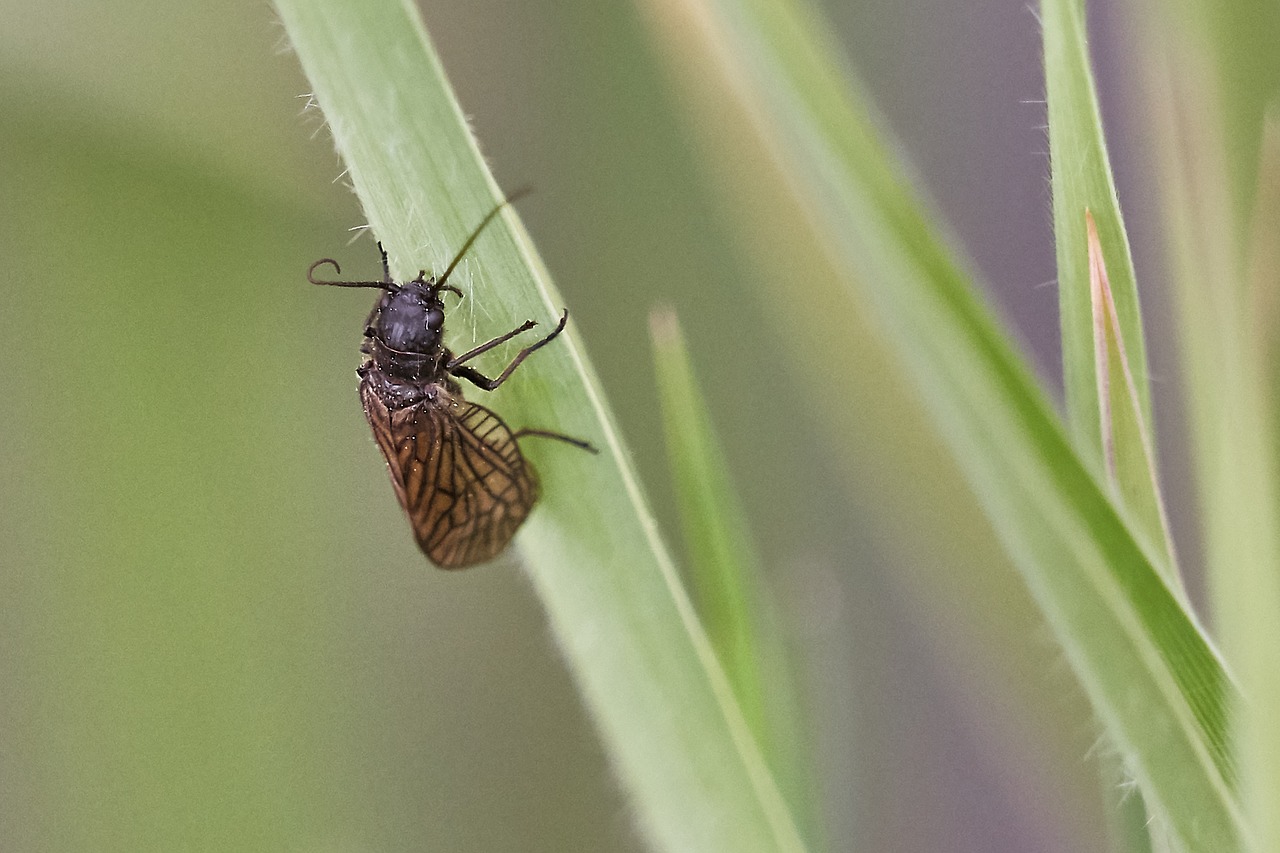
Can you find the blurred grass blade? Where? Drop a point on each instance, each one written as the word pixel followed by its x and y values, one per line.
pixel 1225 365
pixel 1263 262
pixel 725 573
pixel 1081 179
pixel 1127 451
pixel 1154 680
pixel 1258 624
pixel 1233 50
pixel 728 579
pixel 627 629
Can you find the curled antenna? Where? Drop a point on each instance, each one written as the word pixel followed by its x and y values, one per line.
pixel 389 287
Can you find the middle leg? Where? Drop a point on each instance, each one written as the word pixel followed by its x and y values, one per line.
pixel 475 377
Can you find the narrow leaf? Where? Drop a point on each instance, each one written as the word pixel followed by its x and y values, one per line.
pixel 728 577
pixel 1080 176
pixel 627 629
pixel 725 572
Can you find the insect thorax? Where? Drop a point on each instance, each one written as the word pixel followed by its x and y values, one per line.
pixel 397 393
pixel 410 368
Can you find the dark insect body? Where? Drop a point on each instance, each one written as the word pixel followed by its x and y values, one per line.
pixel 456 466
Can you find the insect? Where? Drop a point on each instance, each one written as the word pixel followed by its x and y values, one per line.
pixel 456 466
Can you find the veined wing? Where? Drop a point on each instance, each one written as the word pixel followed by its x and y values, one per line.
pixel 458 473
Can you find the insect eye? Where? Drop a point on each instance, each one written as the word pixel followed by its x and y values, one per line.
pixel 435 318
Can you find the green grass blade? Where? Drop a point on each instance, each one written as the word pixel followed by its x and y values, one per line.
pixel 1081 180
pixel 1083 187
pixel 1256 625
pixel 1263 254
pixel 725 572
pixel 1154 680
pixel 629 634
pixel 1233 46
pixel 728 578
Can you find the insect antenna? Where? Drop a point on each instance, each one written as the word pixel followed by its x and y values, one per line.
pixel 389 287
pixel 518 194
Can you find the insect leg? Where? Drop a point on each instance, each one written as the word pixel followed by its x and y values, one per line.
pixel 386 268
pixel 478 379
pixel 485 347
pixel 558 436
pixel 371 320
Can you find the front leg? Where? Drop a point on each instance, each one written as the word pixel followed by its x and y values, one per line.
pixel 488 345
pixel 475 377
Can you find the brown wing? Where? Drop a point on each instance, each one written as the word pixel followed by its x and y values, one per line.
pixel 459 475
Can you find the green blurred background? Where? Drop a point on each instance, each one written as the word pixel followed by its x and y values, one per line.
pixel 215 630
